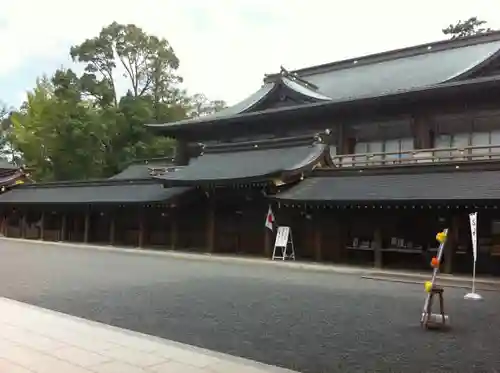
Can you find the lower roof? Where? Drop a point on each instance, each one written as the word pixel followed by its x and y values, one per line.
pixel 435 186
pixel 94 192
pixel 246 162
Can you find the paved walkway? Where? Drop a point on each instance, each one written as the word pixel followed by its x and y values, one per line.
pixel 33 339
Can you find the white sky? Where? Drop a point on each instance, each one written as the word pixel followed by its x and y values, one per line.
pixel 226 46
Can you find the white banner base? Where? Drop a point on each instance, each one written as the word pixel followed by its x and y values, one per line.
pixel 473 296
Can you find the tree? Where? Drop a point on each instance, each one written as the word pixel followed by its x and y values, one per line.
pixel 80 126
pixel 7 152
pixel 59 135
pixel 470 27
pixel 149 63
pixel 200 106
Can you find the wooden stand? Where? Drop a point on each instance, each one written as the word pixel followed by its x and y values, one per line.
pixel 431 320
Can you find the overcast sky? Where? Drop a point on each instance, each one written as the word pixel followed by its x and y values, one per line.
pixel 224 46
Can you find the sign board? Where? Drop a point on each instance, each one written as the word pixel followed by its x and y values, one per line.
pixel 282 237
pixel 283 246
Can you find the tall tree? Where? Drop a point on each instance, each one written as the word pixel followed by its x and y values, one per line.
pixel 469 27
pixel 80 126
pixel 148 62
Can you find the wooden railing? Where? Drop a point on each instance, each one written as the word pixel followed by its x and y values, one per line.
pixel 435 155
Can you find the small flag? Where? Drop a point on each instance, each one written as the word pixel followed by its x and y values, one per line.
pixel 270 219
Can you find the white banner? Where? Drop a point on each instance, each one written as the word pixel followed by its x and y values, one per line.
pixel 473 233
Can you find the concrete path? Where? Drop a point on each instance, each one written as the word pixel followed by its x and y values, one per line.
pixel 33 339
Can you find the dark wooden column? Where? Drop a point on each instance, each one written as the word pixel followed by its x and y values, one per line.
pixel 3 227
pixel 317 237
pixel 268 242
pixel 451 244
pixel 173 230
pixel 422 131
pixel 42 225
pixel 112 227
pixel 181 157
pixel 210 224
pixel 64 225
pixel 377 248
pixel 86 226
pixel 140 238
pixel 23 225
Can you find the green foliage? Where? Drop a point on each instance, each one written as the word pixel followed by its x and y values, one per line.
pixel 469 27
pixel 78 127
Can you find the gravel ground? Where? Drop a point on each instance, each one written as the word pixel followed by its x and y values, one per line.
pixel 308 321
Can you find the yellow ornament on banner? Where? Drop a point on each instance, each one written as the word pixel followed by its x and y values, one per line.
pixel 441 237
pixel 428 286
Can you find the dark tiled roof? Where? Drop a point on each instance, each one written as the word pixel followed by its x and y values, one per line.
pixel 402 70
pixel 420 67
pixel 435 186
pixel 90 192
pixel 246 162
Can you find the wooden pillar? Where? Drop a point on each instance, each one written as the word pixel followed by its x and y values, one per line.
pixel 64 224
pixel 377 248
pixel 3 228
pixel 422 132
pixel 23 225
pixel 112 227
pixel 210 224
pixel 451 244
pixel 42 225
pixel 268 242
pixel 173 230
pixel 140 238
pixel 181 157
pixel 317 237
pixel 86 226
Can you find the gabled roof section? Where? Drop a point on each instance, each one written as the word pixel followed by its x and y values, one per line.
pixel 275 90
pixel 91 192
pixel 250 162
pixel 404 69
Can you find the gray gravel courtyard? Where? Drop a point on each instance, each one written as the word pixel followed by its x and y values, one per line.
pixel 304 320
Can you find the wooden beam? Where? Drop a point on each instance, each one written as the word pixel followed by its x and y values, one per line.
pixel 140 238
pixel 377 248
pixel 210 225
pixel 112 227
pixel 451 244
pixel 42 225
pixel 64 226
pixel 318 242
pixel 23 225
pixel 173 230
pixel 268 242
pixel 86 226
